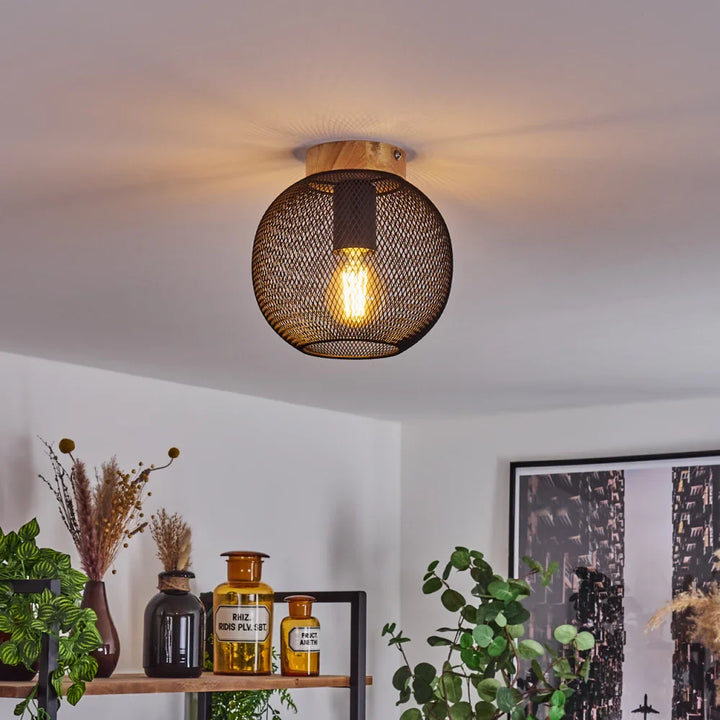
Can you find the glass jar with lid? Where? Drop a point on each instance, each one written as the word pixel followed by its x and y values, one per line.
pixel 242 617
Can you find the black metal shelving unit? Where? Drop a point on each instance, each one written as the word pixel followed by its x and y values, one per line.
pixel 48 701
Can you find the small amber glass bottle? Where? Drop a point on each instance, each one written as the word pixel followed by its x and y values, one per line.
pixel 300 638
pixel 242 618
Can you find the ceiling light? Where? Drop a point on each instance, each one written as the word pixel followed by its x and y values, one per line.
pixel 352 261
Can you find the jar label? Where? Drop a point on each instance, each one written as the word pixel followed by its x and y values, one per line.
pixel 242 623
pixel 304 639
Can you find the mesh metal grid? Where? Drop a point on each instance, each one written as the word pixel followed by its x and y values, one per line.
pixel 330 299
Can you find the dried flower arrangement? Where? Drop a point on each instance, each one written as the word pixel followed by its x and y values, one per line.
pixel 173 539
pixel 704 609
pixel 103 516
pixel 703 614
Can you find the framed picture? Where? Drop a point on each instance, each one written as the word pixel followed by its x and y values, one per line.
pixel 628 533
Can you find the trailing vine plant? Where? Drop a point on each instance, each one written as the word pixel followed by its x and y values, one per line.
pixel 248 704
pixel 491 668
pixel 24 618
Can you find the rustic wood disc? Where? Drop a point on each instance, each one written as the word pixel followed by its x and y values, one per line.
pixel 355 155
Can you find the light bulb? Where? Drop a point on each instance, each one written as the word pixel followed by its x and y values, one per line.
pixel 354 292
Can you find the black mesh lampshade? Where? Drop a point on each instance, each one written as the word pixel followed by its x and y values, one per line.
pixel 352 263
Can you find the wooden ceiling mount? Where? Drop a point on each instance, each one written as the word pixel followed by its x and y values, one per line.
pixel 355 155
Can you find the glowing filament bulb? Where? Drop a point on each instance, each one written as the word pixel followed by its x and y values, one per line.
pixel 354 293
pixel 355 289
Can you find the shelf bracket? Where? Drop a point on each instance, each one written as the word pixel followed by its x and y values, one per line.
pixel 47 698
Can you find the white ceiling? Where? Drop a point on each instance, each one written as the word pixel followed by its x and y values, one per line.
pixel 573 148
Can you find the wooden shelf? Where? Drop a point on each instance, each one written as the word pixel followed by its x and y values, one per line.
pixel 138 683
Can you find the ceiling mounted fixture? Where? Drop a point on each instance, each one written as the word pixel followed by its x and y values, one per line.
pixel 352 261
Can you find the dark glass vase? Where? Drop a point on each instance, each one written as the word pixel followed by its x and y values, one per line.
pixel 108 654
pixel 174 631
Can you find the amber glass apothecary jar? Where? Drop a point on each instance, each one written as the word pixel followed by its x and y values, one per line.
pixel 300 638
pixel 242 618
pixel 174 629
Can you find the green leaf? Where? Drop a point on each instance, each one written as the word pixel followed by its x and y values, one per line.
pixel 558 698
pixel 466 640
pixel 487 688
pixel 422 691
pixel 565 633
pixel 86 641
pixel 563 669
pixel 461 711
pixel 501 620
pixel 9 653
pixel 538 672
pixel 75 692
pixel 556 712
pixel 530 649
pixel 30 530
pixel 29 650
pixel 45 569
pixel 469 613
pixel 27 551
pixel 411 714
pixel 485 711
pixel 433 565
pixel 507 699
pixel 585 640
pixel 437 641
pixel 425 672
pixel 85 668
pixel 516 631
pixel 435 710
pixel 497 646
pixel 401 677
pixel 516 613
pixel 584 672
pixel 483 635
pixel 461 558
pixel 452 600
pixel 447 571
pixel 432 585
pixel 500 590
pixel 451 686
pixel 471 658
pixel 6 624
pixel 518 713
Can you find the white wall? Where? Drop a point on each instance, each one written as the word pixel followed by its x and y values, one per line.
pixel 455 477
pixel 319 491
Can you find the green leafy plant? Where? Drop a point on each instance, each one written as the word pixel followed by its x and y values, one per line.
pixel 490 669
pixel 248 704
pixel 26 617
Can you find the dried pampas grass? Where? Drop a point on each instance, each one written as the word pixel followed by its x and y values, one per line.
pixel 704 617
pixel 102 516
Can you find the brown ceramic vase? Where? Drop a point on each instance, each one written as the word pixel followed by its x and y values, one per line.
pixel 108 654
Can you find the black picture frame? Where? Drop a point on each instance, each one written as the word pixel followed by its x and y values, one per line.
pixel 629 532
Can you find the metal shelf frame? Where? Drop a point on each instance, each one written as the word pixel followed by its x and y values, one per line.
pixel 48 661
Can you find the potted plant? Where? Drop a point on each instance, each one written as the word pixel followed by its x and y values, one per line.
pixel 25 618
pixel 491 668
